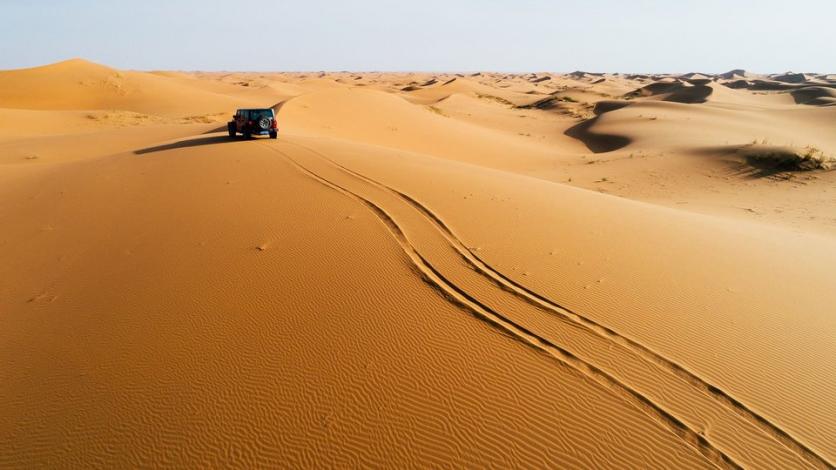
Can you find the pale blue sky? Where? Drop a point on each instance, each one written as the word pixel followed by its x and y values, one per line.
pixel 433 35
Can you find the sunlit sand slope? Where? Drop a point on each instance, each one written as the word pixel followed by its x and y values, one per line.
pixel 218 304
pixel 445 270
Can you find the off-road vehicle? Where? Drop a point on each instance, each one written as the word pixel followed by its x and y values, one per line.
pixel 250 122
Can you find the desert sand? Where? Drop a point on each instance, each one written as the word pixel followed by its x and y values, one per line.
pixel 424 270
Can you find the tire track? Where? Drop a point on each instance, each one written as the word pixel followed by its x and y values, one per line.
pixel 543 303
pixel 457 295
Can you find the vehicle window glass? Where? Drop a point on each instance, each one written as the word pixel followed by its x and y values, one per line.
pixel 260 113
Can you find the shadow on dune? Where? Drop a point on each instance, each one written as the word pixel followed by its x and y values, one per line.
pixel 218 139
pixel 695 91
pixel 216 130
pixel 749 161
pixel 695 94
pixel 596 142
pixel 814 96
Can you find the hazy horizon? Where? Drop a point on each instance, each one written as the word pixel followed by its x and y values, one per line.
pixel 532 35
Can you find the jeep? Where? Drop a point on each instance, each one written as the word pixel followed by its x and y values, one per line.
pixel 250 122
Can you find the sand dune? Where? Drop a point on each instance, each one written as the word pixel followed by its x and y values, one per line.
pixel 815 95
pixel 584 270
pixel 693 90
pixel 433 92
pixel 79 84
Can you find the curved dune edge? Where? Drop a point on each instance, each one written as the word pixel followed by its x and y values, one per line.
pixel 598 142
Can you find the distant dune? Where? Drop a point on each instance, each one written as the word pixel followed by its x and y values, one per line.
pixel 79 84
pixel 584 270
pixel 815 95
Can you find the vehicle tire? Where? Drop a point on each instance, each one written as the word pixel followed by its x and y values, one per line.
pixel 264 123
pixel 274 135
pixel 231 129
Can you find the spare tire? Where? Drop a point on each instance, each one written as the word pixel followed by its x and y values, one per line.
pixel 264 123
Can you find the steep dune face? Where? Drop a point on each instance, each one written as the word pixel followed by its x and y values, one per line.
pixel 815 95
pixel 696 91
pixel 790 77
pixel 736 74
pixel 666 125
pixel 407 277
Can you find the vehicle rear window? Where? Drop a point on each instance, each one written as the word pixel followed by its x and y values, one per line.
pixel 256 114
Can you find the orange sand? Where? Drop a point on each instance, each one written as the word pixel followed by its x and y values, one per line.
pixel 538 270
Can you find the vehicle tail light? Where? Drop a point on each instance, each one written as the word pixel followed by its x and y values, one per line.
pixel 274 124
pixel 251 122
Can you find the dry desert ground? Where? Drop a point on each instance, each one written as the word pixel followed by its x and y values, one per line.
pixel 424 270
